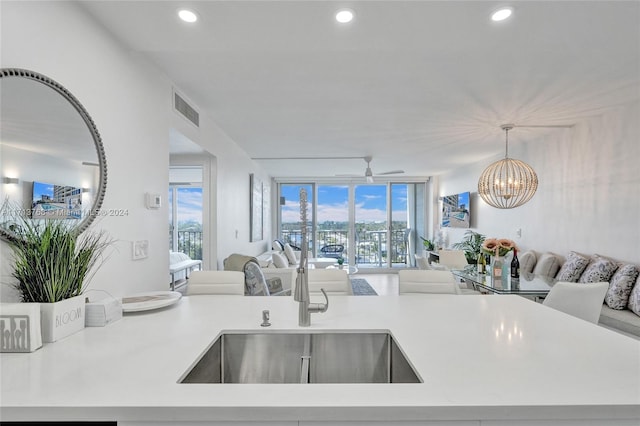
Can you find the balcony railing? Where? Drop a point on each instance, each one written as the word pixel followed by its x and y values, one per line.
pixel 371 246
pixel 189 242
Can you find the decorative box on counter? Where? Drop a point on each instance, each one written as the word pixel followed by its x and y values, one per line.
pixel 20 327
pixel 102 312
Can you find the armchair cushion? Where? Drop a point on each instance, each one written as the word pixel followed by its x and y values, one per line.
pixel 255 284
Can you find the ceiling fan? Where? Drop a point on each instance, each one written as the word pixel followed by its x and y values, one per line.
pixel 368 174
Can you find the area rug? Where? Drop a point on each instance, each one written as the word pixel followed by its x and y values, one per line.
pixel 362 288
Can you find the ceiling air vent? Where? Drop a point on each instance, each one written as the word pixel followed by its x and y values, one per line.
pixel 186 110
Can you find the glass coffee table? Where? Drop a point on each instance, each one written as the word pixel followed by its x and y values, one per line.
pixel 527 285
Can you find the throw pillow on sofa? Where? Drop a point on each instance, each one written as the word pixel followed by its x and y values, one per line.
pixel 277 245
pixel 620 287
pixel 279 261
pixel 527 261
pixel 634 298
pixel 600 269
pixel 547 265
pixel 573 267
pixel 291 255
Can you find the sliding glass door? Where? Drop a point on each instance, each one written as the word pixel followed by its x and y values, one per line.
pixel 332 235
pixel 369 225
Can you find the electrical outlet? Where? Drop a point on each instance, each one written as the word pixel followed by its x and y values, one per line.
pixel 140 249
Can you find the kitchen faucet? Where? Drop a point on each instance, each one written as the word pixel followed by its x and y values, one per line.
pixel 301 294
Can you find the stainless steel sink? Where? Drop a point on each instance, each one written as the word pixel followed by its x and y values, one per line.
pixel 302 357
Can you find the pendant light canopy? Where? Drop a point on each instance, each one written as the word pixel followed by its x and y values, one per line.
pixel 507 183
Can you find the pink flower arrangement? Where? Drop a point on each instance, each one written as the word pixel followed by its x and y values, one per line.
pixel 497 247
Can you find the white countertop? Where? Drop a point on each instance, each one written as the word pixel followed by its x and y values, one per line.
pixel 481 357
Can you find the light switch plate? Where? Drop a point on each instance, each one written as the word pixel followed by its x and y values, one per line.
pixel 140 249
pixel 153 201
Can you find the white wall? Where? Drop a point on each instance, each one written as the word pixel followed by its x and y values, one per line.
pixel 588 199
pixel 232 169
pixel 130 102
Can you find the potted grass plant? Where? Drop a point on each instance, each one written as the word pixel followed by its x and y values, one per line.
pixel 53 264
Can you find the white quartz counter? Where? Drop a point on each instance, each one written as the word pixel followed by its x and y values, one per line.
pixel 482 358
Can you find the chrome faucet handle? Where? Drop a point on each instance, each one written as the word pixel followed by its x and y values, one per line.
pixel 320 307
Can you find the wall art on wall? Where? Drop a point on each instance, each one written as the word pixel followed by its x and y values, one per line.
pixel 56 201
pixel 455 211
pixel 255 205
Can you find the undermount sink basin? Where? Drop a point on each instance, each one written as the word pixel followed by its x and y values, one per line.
pixel 302 357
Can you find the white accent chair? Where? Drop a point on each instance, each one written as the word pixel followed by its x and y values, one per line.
pixel 580 300
pixel 216 282
pixel 452 259
pixel 427 281
pixel 334 281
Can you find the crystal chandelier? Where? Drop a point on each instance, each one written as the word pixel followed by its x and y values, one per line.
pixel 507 183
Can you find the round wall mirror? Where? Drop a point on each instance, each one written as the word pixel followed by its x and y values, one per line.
pixel 52 160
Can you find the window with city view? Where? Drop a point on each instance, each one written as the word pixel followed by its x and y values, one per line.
pixel 365 224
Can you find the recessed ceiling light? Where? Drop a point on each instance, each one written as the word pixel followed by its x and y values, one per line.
pixel 501 14
pixel 187 15
pixel 344 16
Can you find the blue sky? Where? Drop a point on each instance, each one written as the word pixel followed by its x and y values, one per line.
pixel 333 199
pixel 333 203
pixel 40 189
pixel 189 204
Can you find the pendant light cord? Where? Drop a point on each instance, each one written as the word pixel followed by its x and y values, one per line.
pixel 506 143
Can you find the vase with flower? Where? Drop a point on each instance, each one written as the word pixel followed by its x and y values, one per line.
pixel 501 252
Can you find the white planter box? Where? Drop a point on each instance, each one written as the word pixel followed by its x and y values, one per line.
pixel 62 319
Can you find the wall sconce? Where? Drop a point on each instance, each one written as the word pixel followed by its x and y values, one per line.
pixel 6 179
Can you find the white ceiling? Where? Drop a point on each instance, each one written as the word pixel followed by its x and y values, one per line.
pixel 420 85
